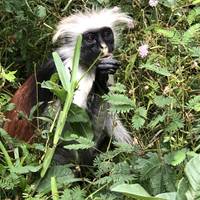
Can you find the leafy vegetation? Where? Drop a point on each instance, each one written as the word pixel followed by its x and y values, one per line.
pixel 157 95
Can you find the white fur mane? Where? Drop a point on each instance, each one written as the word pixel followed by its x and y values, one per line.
pixel 74 25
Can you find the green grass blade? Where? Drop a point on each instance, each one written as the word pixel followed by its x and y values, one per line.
pixel 62 71
pixel 76 58
pixel 54 189
pixel 6 156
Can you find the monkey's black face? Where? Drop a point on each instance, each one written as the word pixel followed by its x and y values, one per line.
pixel 94 43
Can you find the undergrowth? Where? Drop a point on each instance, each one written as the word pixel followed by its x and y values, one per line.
pixel 157 96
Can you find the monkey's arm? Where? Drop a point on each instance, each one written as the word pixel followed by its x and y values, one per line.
pixel 24 99
pixel 112 124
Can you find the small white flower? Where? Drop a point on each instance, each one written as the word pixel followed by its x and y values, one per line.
pixel 143 50
pixel 153 3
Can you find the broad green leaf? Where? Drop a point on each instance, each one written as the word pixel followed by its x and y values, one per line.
pixel 182 188
pixel 192 171
pixel 63 174
pixel 167 196
pixel 135 191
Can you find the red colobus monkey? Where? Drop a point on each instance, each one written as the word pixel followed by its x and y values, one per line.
pixel 99 34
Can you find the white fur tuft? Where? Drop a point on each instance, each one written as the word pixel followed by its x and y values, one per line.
pixel 76 24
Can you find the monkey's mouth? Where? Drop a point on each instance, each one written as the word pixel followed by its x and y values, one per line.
pixel 106 55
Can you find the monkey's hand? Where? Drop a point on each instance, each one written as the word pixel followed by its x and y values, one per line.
pixel 108 66
pixel 105 67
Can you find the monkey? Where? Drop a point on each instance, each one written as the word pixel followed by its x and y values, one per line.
pixel 99 30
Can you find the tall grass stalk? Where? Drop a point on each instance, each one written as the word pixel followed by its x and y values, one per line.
pixel 70 93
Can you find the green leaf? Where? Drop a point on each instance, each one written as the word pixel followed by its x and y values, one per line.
pixel 194 103
pixel 75 61
pixel 159 70
pixel 41 11
pixel 158 119
pixel 192 171
pixel 54 189
pixel 176 122
pixel 63 174
pixel 182 189
pixel 84 143
pixel 139 117
pixel 167 196
pixel 191 33
pixel 56 89
pixel 135 191
pixel 176 157
pixel 26 169
pixel 169 3
pixel 118 99
pixel 63 72
pixel 10 106
pixel 10 76
pixel 193 14
pixel 77 114
pixel 195 2
pixel 162 101
pixel 172 35
pixel 48 157
pixel 118 88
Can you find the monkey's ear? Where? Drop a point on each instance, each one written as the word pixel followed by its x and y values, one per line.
pixel 24 99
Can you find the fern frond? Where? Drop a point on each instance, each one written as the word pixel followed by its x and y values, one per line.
pixel 189 35
pixel 172 35
pixel 75 193
pixel 139 117
pixel 118 88
pixel 120 108
pixel 118 99
pixel 82 143
pixel 195 52
pixel 159 70
pixel 162 101
pixel 176 122
pixel 194 103
pixel 193 14
pixel 154 122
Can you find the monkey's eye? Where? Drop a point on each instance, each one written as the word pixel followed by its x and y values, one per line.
pixel 107 34
pixel 90 37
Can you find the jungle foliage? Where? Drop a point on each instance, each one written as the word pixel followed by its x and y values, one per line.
pixel 157 95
